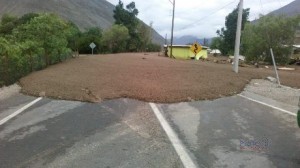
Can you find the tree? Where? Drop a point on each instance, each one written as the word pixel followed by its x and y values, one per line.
pixel 229 32
pixel 31 42
pixel 50 32
pixel 145 35
pixel 26 18
pixel 115 38
pixel 74 38
pixel 276 32
pixel 128 18
pixel 30 52
pixel 216 43
pixel 94 35
pixel 11 65
pixel 8 23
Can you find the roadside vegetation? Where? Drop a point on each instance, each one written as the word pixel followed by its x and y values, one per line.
pixel 35 41
pixel 276 32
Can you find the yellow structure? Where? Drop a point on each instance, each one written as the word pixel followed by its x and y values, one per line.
pixel 184 52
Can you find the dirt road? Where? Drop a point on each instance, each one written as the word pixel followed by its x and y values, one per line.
pixel 144 77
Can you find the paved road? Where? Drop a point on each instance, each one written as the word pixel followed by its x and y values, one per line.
pixel 56 133
pixel 227 132
pixel 236 132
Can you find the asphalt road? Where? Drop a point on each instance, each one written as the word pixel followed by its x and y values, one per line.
pixel 227 132
pixel 56 133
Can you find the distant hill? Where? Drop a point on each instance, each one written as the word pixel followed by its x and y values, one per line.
pixel 85 14
pixel 190 39
pixel 291 9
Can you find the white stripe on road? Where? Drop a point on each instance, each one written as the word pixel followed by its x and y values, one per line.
pixel 177 144
pixel 277 108
pixel 19 111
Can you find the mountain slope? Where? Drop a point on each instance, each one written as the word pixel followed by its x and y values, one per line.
pixel 292 9
pixel 85 14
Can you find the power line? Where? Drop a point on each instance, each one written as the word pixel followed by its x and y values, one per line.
pixel 208 15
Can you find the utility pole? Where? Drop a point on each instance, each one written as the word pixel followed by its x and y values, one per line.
pixel 238 38
pixel 172 31
pixel 166 39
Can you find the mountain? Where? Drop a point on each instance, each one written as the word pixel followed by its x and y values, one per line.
pixel 191 39
pixel 85 14
pixel 291 9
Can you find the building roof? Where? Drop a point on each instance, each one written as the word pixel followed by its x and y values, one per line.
pixel 186 46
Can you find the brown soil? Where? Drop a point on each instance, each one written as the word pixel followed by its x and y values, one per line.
pixel 144 77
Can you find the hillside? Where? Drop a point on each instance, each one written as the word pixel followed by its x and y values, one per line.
pixel 292 9
pixel 84 14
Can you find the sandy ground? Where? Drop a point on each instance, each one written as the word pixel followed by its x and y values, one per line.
pixel 144 77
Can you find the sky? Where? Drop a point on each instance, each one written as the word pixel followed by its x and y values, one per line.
pixel 196 17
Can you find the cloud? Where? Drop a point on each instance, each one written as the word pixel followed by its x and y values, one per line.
pixel 195 17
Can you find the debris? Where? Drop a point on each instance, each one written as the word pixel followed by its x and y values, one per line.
pixel 286 69
pixel 190 99
pixel 267 67
pixel 42 94
pixel 243 65
pixel 271 79
pixel 241 58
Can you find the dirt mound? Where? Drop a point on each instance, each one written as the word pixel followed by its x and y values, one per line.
pixel 144 77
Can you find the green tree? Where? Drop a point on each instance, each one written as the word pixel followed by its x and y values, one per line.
pixel 115 38
pixel 51 32
pixel 145 35
pixel 276 32
pixel 31 50
pixel 128 18
pixel 74 38
pixel 228 33
pixel 8 23
pixel 26 18
pixel 94 35
pixel 216 43
pixel 11 65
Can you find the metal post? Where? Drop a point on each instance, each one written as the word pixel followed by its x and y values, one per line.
pixel 92 51
pixel 171 54
pixel 275 67
pixel 238 38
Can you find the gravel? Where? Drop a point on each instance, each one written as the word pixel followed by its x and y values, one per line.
pixel 148 78
pixel 274 91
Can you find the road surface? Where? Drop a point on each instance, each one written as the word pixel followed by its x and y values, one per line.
pixel 247 130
